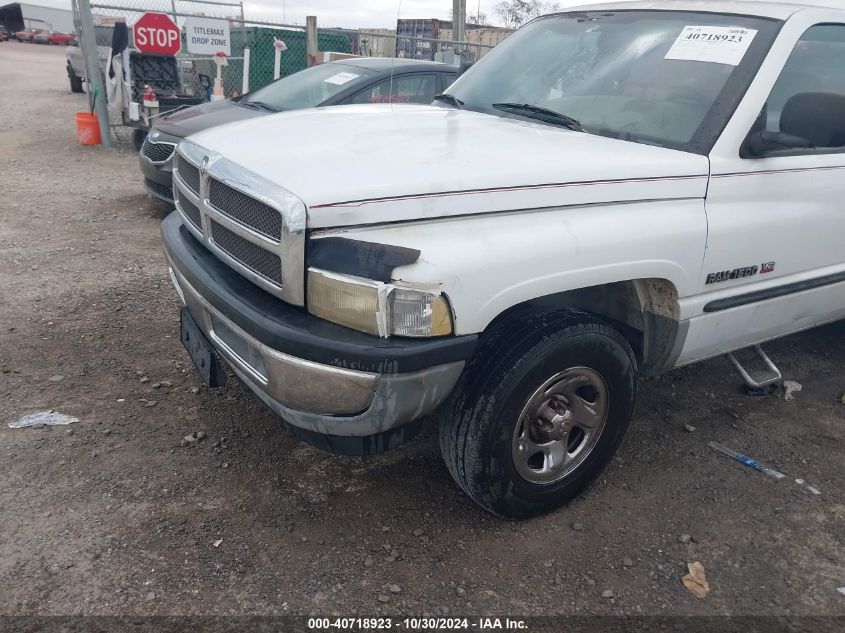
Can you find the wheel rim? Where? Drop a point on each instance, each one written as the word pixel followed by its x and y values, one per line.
pixel 560 425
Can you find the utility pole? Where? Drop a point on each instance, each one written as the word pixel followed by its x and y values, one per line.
pixel 96 90
pixel 459 20
pixel 311 40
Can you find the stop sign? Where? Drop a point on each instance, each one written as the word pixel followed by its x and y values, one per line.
pixel 157 33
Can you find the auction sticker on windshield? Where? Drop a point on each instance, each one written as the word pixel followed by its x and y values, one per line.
pixel 719 44
pixel 341 78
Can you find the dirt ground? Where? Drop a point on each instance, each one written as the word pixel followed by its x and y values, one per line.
pixel 112 515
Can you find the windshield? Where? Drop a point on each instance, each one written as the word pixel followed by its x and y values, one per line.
pixel 310 87
pixel 667 78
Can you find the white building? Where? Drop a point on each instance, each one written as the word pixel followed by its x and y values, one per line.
pixel 21 15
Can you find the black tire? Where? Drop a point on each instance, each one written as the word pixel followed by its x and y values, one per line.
pixel 478 424
pixel 75 81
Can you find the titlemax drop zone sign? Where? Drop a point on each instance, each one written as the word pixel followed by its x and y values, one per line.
pixel 157 33
pixel 207 37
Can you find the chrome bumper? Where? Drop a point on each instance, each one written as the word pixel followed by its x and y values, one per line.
pixel 316 397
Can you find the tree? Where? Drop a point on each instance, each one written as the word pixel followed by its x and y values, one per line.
pixel 479 18
pixel 515 13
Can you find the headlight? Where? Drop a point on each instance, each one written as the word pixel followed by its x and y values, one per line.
pixel 340 300
pixel 377 308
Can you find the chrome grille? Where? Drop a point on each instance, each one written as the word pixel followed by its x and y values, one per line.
pixel 224 206
pixel 250 255
pixel 190 210
pixel 248 211
pixel 190 175
pixel 157 152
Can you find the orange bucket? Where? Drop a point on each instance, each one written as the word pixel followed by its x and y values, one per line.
pixel 87 128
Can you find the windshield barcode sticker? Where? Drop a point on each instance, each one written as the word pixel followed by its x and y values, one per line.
pixel 718 44
pixel 340 78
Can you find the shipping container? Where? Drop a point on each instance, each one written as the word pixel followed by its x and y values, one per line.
pixel 408 32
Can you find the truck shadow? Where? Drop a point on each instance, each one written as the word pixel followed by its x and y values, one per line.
pixel 155 208
pixel 677 415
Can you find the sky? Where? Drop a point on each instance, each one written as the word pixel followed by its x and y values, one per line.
pixel 345 13
pixel 368 13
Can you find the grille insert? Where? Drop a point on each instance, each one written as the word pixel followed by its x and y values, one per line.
pixel 190 175
pixel 257 259
pixel 162 191
pixel 157 152
pixel 191 211
pixel 246 210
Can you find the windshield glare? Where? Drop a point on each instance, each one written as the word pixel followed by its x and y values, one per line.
pixel 310 87
pixel 610 72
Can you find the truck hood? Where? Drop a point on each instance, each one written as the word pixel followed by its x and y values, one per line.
pixel 205 115
pixel 354 165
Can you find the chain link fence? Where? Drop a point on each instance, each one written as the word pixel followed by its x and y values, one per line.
pixel 259 51
pixel 196 72
pixel 386 43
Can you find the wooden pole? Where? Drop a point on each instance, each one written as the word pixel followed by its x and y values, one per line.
pixel 311 49
pixel 459 20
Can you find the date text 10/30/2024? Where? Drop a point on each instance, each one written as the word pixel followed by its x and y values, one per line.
pixel 415 624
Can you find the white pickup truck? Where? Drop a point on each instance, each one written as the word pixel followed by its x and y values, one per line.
pixel 614 191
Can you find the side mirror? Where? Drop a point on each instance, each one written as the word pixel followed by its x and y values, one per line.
pixel 764 142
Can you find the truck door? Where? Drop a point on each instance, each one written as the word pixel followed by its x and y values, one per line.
pixel 775 259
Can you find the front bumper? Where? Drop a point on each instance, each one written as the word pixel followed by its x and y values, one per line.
pixel 315 375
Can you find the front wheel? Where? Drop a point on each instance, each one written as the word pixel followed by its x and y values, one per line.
pixel 540 412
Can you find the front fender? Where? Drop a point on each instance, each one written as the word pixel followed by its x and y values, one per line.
pixel 488 263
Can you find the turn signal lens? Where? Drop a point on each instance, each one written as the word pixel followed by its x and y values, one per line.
pixel 417 313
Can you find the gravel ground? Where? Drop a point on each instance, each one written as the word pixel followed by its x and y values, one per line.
pixel 114 515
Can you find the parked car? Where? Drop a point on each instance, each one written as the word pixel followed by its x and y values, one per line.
pixel 75 65
pixel 5 33
pixel 27 35
pixel 357 80
pixel 609 193
pixel 42 37
pixel 61 39
pixel 75 61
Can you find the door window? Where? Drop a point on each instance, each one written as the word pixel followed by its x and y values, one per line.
pixel 808 99
pixel 406 89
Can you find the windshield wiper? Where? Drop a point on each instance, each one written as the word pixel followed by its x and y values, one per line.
pixel 541 113
pixel 259 105
pixel 445 97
